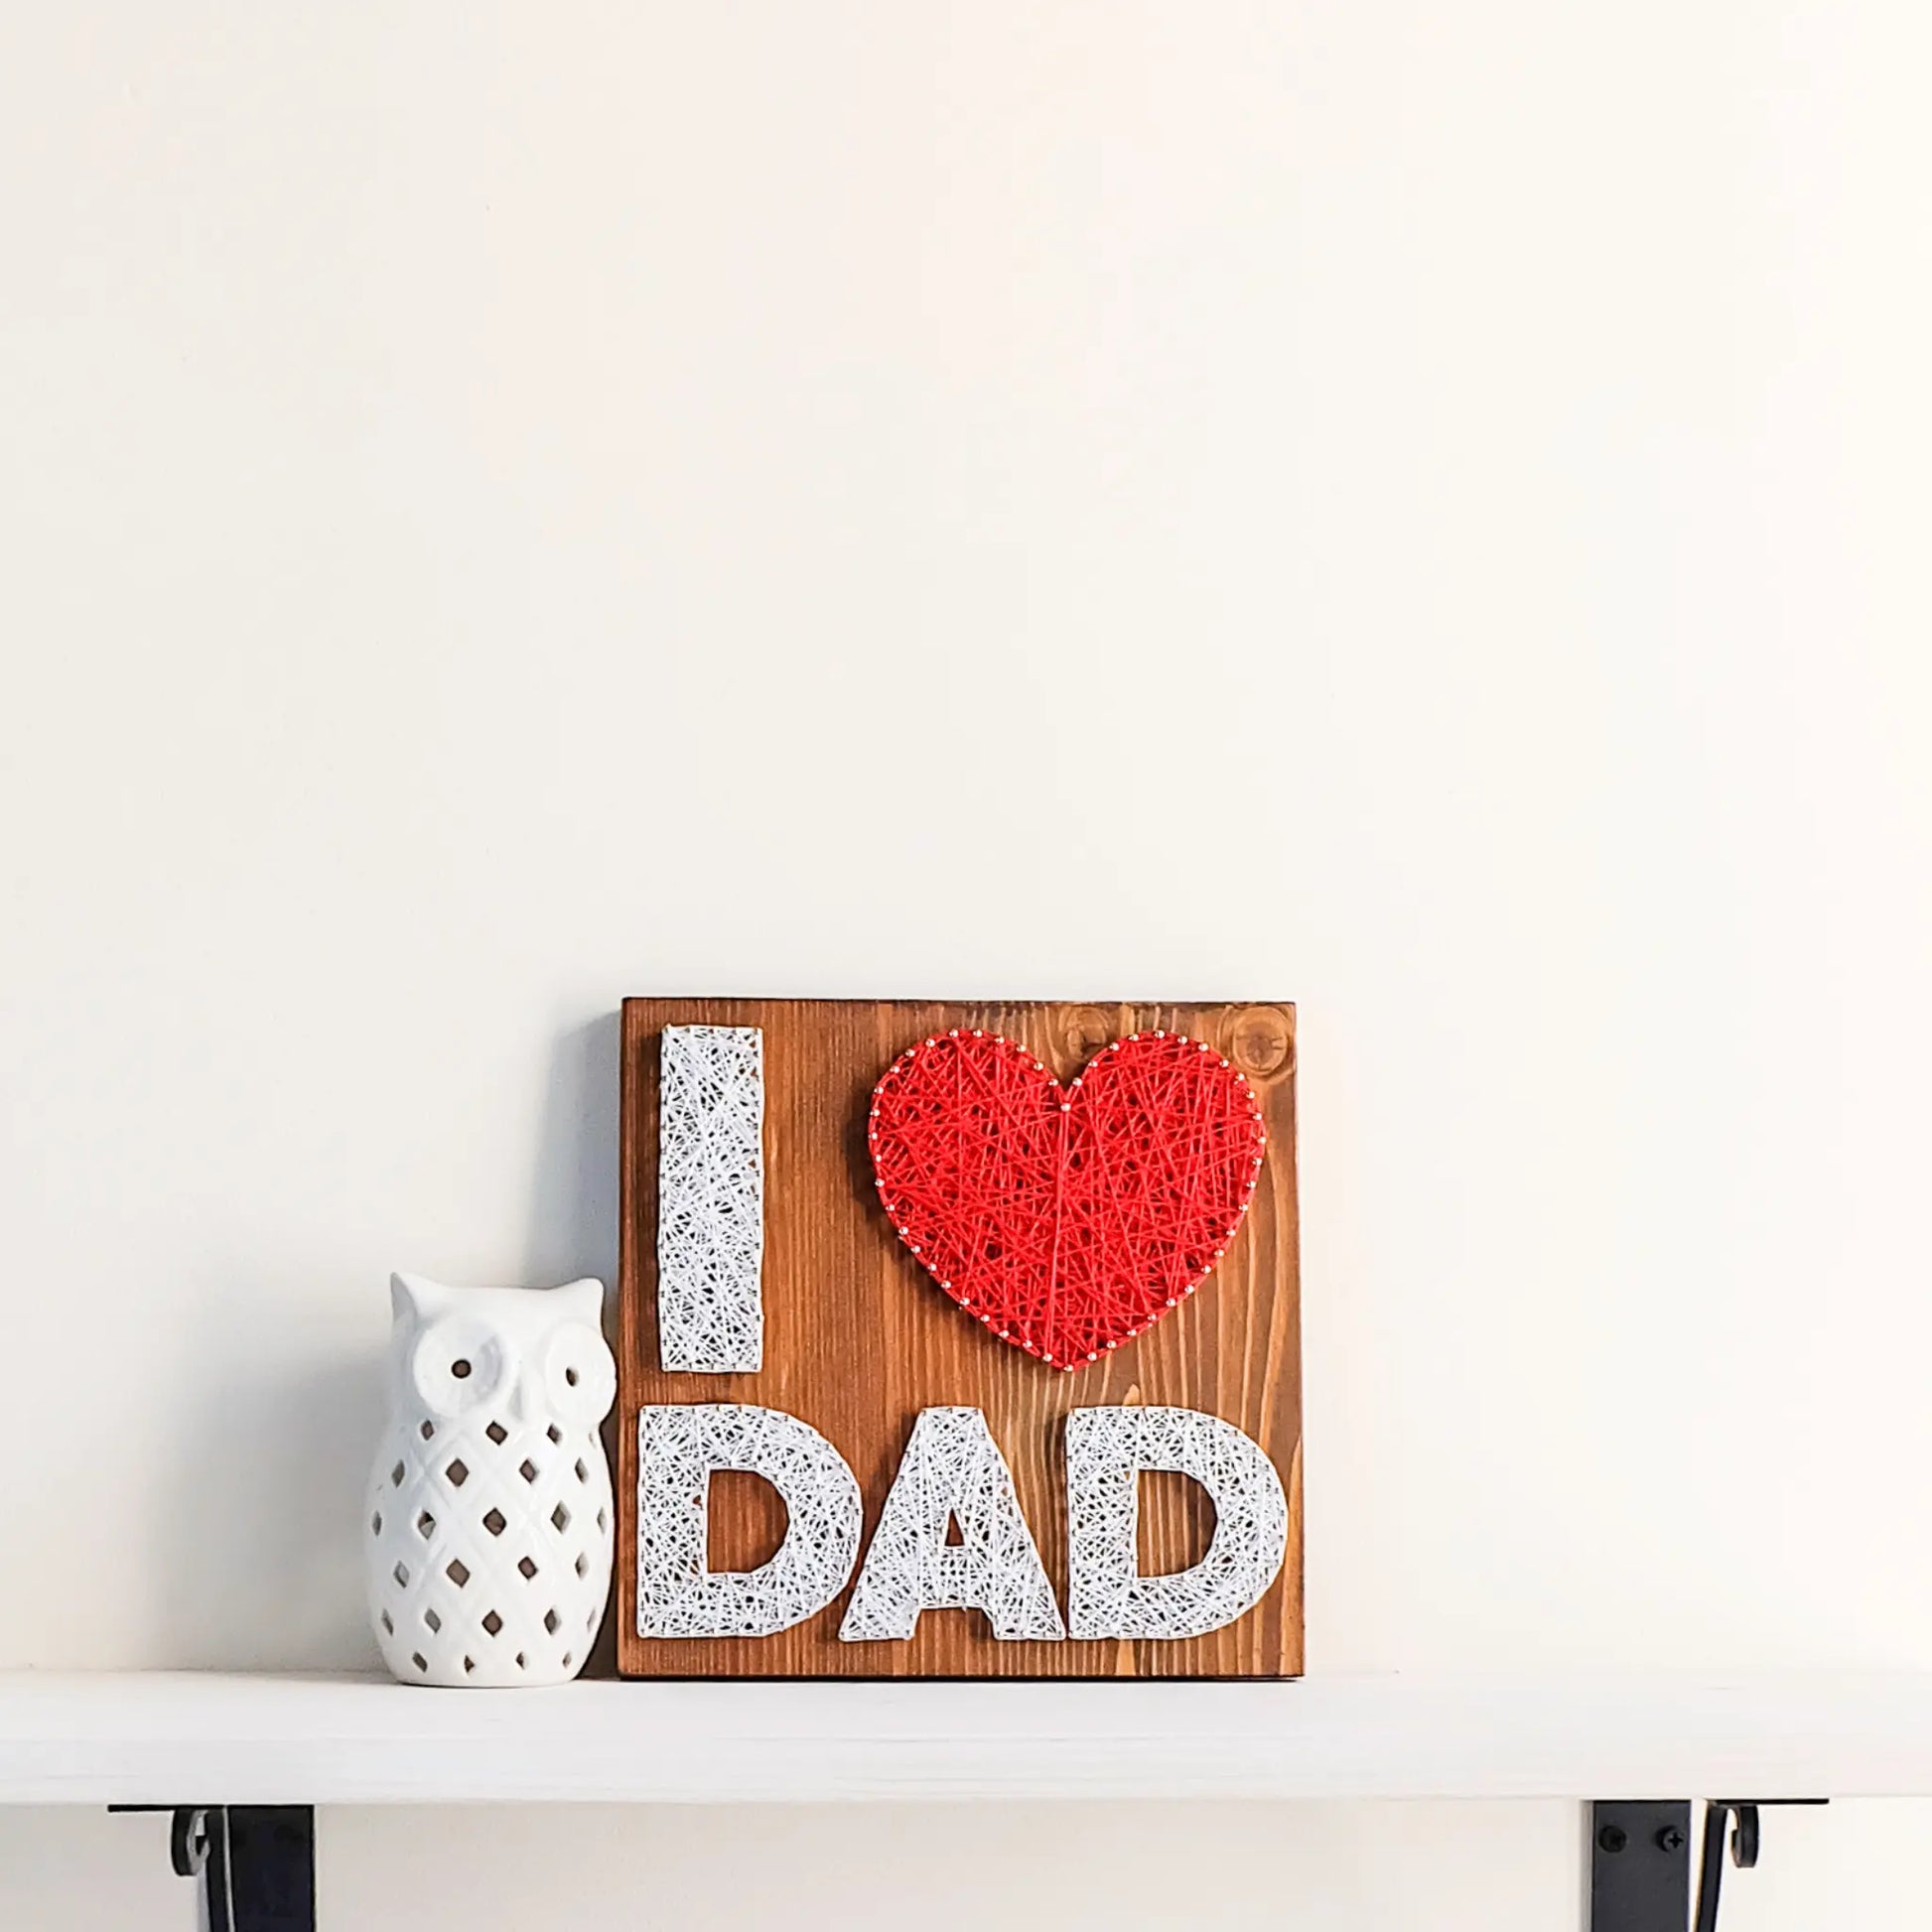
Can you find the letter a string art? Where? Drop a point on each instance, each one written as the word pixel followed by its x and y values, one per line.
pixel 1066 1219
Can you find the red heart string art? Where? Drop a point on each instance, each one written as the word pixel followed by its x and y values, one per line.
pixel 1066 1219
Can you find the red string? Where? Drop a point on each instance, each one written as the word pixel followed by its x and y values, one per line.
pixel 1068 1219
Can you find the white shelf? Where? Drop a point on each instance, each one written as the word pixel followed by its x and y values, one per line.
pixel 185 1737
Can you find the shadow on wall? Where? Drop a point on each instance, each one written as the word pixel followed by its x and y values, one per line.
pixel 574 1213
pixel 265 1571
pixel 574 1203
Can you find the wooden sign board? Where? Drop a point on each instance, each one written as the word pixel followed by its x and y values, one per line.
pixel 859 1340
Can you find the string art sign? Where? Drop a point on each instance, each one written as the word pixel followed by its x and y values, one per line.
pixel 958 1340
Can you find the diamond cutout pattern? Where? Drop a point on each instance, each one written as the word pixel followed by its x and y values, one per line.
pixel 494 1539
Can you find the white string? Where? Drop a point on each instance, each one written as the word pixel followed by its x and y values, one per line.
pixel 952 1472
pixel 678 1447
pixel 710 1199
pixel 1106 1451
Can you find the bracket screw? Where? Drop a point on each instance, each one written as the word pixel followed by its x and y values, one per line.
pixel 1613 1838
pixel 1670 1838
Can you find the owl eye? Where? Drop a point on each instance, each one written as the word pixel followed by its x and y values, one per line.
pixel 460 1363
pixel 579 1375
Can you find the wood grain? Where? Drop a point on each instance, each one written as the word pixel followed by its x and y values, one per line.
pixel 859 1340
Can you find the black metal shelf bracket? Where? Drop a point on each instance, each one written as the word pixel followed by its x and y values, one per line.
pixel 1640 1860
pixel 255 1866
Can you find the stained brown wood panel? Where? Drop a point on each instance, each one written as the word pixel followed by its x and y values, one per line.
pixel 858 1338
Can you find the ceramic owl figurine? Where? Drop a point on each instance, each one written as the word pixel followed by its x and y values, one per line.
pixel 488 1529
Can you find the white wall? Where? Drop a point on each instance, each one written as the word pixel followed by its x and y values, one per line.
pixel 1416 508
